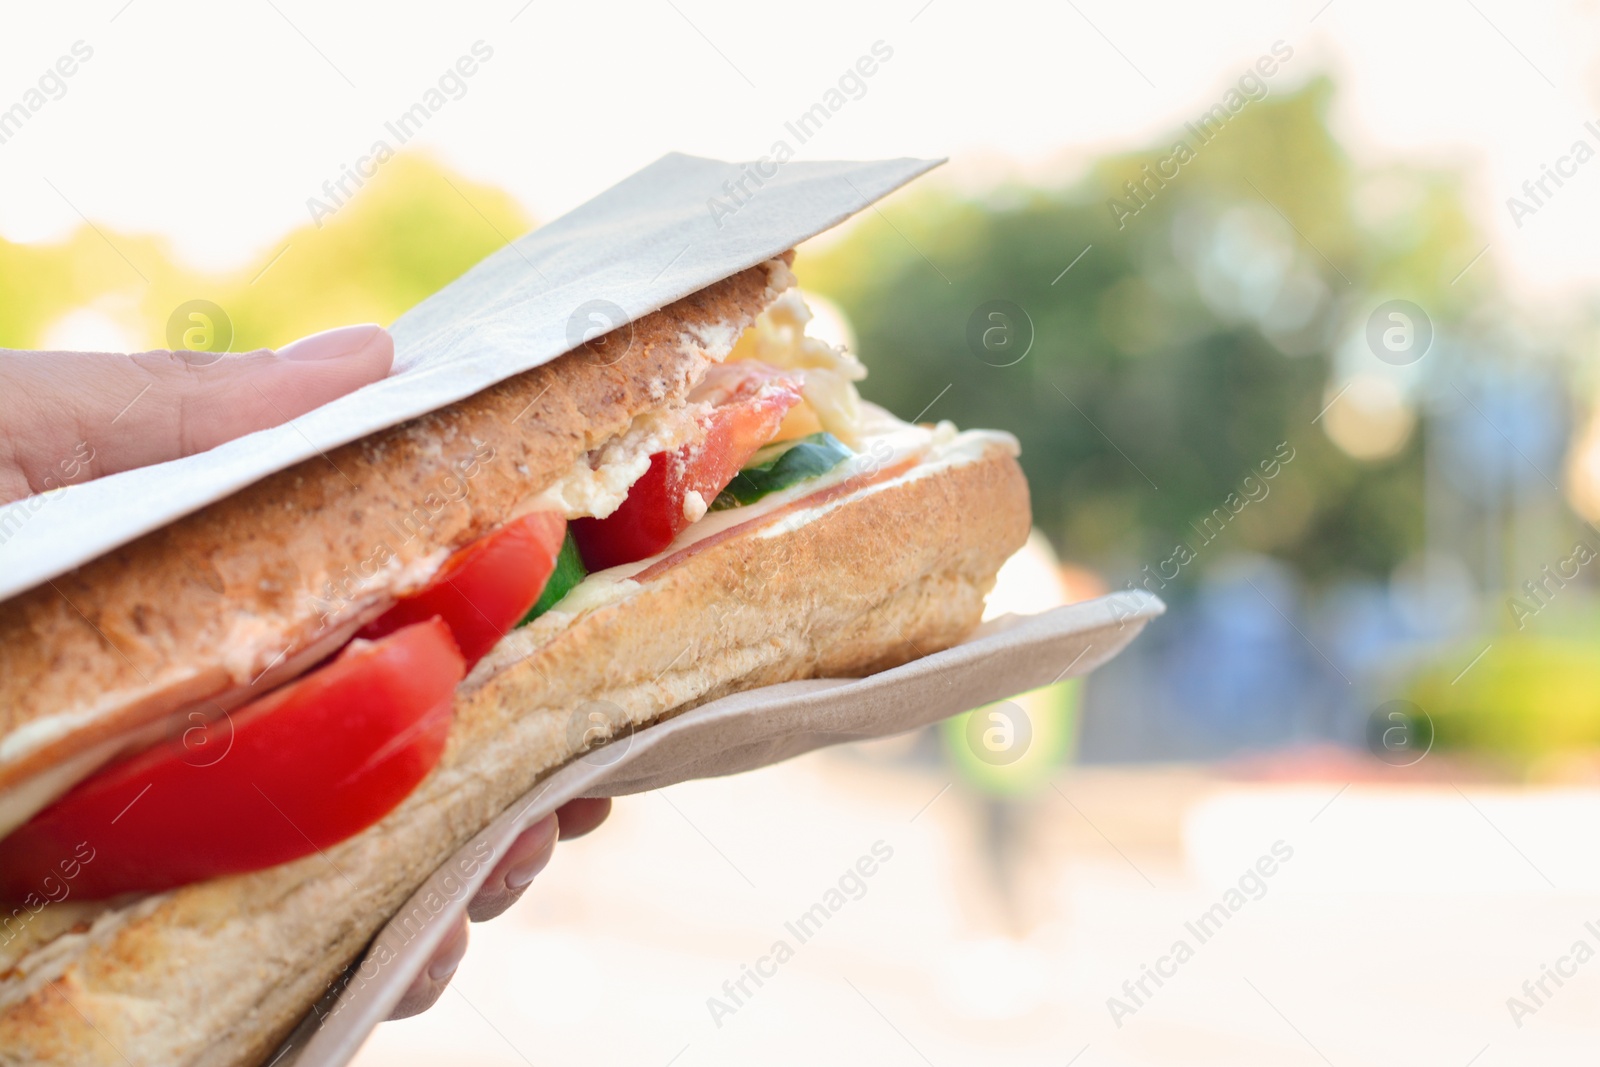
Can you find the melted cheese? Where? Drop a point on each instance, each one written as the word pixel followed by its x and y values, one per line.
pixel 779 339
pixel 597 484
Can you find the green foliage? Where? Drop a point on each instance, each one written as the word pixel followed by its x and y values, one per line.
pixel 404 235
pixel 1525 698
pixel 999 752
pixel 1183 347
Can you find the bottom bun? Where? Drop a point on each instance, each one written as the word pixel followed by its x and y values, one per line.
pixel 217 973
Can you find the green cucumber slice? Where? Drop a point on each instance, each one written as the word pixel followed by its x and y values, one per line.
pixel 568 573
pixel 780 466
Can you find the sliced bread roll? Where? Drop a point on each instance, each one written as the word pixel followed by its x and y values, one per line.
pixel 886 566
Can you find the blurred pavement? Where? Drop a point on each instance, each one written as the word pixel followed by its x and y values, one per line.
pixel 996 932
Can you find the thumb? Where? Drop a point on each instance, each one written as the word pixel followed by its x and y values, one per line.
pixel 78 415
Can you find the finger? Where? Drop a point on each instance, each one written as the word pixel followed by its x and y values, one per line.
pixel 525 858
pixel 429 983
pixel 578 817
pixel 299 377
pixel 100 413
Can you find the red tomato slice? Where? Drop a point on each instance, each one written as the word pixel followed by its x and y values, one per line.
pixel 299 770
pixel 484 589
pixel 750 401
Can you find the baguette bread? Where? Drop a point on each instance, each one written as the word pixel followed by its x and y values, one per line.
pixel 217 973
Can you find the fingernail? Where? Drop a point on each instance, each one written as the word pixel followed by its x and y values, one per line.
pixel 519 877
pixel 330 344
pixel 442 968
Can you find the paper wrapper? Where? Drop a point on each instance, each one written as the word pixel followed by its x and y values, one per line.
pixel 1007 656
pixel 631 250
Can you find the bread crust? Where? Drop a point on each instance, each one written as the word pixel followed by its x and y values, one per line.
pixel 217 973
pixel 194 612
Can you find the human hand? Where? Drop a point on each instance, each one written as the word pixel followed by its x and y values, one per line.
pixel 525 858
pixel 68 417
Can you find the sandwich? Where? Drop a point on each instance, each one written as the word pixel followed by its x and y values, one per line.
pixel 231 748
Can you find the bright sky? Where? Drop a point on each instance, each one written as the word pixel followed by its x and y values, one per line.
pixel 214 124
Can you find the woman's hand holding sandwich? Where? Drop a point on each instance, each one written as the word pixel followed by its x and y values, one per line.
pixel 525 858
pixel 72 416
pixel 69 417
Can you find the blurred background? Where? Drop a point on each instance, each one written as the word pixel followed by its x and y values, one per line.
pixel 1294 310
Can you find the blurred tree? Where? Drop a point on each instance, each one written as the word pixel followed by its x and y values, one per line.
pixel 406 233
pixel 1178 339
pixel 1528 697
